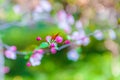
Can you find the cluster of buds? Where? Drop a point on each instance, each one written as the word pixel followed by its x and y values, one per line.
pixel 34 58
pixel 51 43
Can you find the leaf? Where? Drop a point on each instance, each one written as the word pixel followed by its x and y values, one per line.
pixel 44 45
pixel 26 57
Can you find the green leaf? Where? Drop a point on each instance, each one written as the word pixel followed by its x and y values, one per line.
pixel 44 45
pixel 26 57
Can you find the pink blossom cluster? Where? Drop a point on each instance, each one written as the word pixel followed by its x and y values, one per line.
pixel 77 34
pixel 73 28
pixel 10 53
pixel 65 21
pixel 53 41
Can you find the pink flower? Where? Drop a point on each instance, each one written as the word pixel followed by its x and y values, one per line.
pixel 6 69
pixel 38 38
pixel 67 42
pixel 79 25
pixel 13 48
pixel 76 35
pixel 40 51
pixel 70 19
pixel 53 50
pixel 85 41
pixel 62 15
pixel 52 45
pixel 28 64
pixel 59 39
pixel 35 59
pixel 11 53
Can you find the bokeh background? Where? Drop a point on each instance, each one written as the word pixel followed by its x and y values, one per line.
pixel 99 60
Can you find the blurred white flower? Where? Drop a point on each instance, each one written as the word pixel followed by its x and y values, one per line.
pixel 45 5
pixel 112 34
pixel 61 15
pixel 73 55
pixel 98 35
pixel 36 16
pixel 70 19
pixel 103 13
pixel 39 9
pixel 78 24
pixel 65 27
pixel 75 35
pixel 85 41
pixel 17 9
pixel 80 38
pixel 78 42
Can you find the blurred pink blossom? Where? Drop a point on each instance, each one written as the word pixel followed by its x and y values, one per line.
pixel 85 41
pixel 65 27
pixel 6 69
pixel 70 19
pixel 35 59
pixel 11 52
pixel 80 38
pixel 78 25
pixel 61 16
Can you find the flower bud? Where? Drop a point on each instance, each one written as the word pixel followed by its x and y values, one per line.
pixel 38 38
pixel 67 42
pixel 28 64
pixel 52 45
pixel 53 50
pixel 59 39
